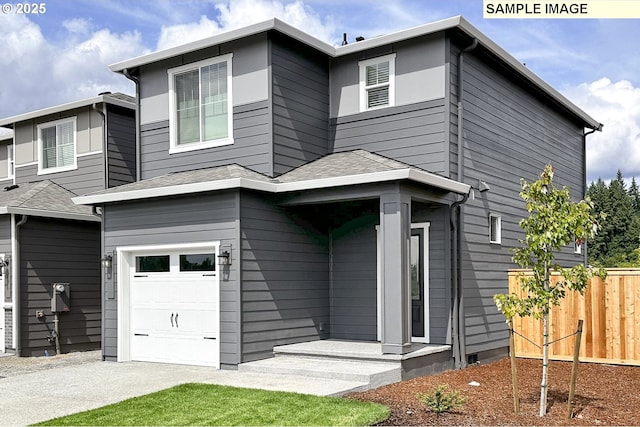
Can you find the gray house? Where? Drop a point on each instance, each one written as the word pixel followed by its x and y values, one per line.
pixel 54 155
pixel 292 191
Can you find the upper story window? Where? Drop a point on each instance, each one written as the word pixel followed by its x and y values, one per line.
pixel 200 105
pixel 57 146
pixel 10 162
pixel 377 82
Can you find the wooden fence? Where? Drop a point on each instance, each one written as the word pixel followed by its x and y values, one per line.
pixel 611 314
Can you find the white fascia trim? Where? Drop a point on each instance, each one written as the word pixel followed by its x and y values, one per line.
pixel 65 107
pixel 271 24
pixel 173 190
pixel 270 187
pixel 48 214
pixel 90 153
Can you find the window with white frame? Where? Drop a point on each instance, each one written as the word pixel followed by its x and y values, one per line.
pixel 495 228
pixel 57 146
pixel 10 161
pixel 377 82
pixel 200 104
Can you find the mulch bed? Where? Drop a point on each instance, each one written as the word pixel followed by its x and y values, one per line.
pixel 605 395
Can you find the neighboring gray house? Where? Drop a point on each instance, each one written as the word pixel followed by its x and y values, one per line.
pixel 54 155
pixel 294 191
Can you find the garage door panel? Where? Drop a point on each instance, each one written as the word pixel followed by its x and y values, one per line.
pixel 175 316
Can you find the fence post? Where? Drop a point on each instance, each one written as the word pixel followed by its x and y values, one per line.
pixel 514 369
pixel 574 369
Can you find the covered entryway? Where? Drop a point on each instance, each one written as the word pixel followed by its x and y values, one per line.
pixel 174 308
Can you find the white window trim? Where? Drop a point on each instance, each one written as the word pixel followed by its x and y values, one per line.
pixel 74 165
pixel 11 161
pixel 173 137
pixel 392 81
pixel 577 247
pixel 498 239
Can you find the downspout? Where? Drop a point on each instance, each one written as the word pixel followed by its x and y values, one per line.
pixel 584 172
pixel 15 283
pixel 136 81
pixel 105 145
pixel 458 228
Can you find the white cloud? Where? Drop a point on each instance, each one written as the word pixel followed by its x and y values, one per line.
pixel 77 25
pixel 240 13
pixel 617 106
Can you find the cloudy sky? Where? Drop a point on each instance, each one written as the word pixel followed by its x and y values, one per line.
pixel 63 54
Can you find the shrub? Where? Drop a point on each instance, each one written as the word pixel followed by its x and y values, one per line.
pixel 440 399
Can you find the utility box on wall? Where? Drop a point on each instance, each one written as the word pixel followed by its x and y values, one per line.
pixel 60 299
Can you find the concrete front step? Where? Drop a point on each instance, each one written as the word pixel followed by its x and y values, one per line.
pixel 366 374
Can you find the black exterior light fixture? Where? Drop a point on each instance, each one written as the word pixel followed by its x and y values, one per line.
pixel 224 258
pixel 107 261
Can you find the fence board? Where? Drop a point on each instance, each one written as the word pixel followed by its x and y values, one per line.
pixel 611 314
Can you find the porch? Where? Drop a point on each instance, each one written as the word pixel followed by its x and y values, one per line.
pixel 361 364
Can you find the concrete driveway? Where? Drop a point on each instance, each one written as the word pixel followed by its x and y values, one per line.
pixel 32 397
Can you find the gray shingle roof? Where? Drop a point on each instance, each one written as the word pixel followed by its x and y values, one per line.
pixel 338 169
pixel 44 198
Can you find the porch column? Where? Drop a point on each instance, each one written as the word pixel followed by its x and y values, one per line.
pixel 395 234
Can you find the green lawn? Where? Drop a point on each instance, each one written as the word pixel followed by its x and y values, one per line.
pixel 205 404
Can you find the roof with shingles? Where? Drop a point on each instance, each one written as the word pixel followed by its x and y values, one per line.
pixel 356 167
pixel 43 198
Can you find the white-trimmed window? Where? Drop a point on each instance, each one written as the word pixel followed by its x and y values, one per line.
pixel 10 162
pixel 57 146
pixel 495 228
pixel 377 82
pixel 200 104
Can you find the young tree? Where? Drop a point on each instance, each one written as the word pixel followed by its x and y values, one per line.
pixel 554 222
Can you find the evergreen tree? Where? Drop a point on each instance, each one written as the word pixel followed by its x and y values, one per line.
pixel 618 226
pixel 634 194
pixel 597 246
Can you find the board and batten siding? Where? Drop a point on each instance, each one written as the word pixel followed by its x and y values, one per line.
pixel 300 98
pixel 181 220
pixel 354 277
pixel 285 280
pixel 251 147
pixel 121 146
pixel 87 178
pixel 51 251
pixel 510 132
pixel 413 134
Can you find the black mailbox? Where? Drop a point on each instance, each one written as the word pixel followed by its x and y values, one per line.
pixel 60 298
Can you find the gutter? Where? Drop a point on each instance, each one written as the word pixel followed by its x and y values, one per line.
pixel 136 81
pixel 15 282
pixel 457 226
pixel 584 179
pixel 105 148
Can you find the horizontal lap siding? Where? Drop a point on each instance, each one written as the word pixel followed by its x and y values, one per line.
pixel 181 220
pixel 509 134
pixel 285 281
pixel 251 147
pixel 413 134
pixel 300 104
pixel 60 251
pixel 121 146
pixel 354 281
pixel 89 176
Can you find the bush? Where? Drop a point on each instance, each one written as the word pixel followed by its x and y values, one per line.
pixel 440 399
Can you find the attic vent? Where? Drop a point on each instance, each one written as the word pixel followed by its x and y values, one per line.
pixel 11 187
pixel 359 38
pixel 104 93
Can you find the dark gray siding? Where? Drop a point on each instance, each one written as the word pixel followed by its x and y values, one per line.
pixel 60 251
pixel 201 218
pixel 439 269
pixel 510 133
pixel 89 176
pixel 251 147
pixel 354 280
pixel 414 134
pixel 285 280
pixel 300 84
pixel 121 146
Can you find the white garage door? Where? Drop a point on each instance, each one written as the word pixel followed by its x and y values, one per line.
pixel 175 308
